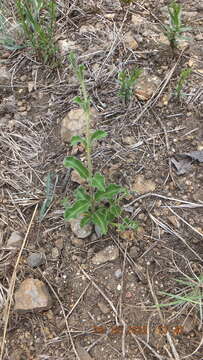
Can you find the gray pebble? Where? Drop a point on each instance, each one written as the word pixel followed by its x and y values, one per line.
pixel 36 259
pixel 118 273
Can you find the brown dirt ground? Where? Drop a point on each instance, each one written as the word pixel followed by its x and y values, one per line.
pixel 167 243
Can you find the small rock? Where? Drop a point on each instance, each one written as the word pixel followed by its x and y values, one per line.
pixel 104 309
pixel 36 259
pixel 8 105
pixel 133 252
pixel 15 239
pixel 189 15
pixel 146 86
pixel 72 124
pixel 110 253
pixel 130 41
pixel 55 253
pixel 59 244
pixel 65 46
pixel 128 235
pixel 32 295
pixel 23 78
pixel 5 76
pixel 174 221
pixel 83 232
pixel 138 20
pixel 75 177
pixel 87 29
pixel 129 140
pixel 188 325
pixel 118 273
pixel 77 242
pixel 97 231
pixel 77 258
pixel 143 186
pixel 199 37
pixel 82 353
pixel 114 5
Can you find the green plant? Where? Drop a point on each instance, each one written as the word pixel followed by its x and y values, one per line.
pixel 38 20
pixel 49 195
pixel 97 202
pixel 127 81
pixel 7 39
pixel 185 73
pixel 175 29
pixel 191 293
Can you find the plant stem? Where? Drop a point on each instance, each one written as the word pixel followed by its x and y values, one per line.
pixel 88 123
pixel 87 113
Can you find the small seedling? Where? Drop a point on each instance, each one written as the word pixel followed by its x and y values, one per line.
pixel 7 39
pixel 38 21
pixel 49 195
pixel 97 202
pixel 127 82
pixel 190 294
pixel 185 73
pixel 175 29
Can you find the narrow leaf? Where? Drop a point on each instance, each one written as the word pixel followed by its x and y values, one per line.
pixel 98 134
pixel 71 162
pixel 111 191
pixel 78 208
pixel 98 181
pixel 80 194
pixel 78 100
pixel 49 191
pixel 99 219
pixel 86 220
pixel 113 212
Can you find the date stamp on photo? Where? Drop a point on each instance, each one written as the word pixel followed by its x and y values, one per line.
pixel 140 330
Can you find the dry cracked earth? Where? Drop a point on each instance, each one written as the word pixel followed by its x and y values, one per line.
pixel 67 293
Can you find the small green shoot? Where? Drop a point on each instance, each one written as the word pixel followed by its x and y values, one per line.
pixel 38 21
pixel 174 30
pixel 49 194
pixel 190 294
pixel 127 81
pixel 97 202
pixel 184 75
pixel 7 38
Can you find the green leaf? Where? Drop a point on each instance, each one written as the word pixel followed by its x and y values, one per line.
pixel 111 191
pixel 185 28
pixel 73 59
pixel 49 191
pixel 99 218
pixel 98 181
pixel 72 162
pixel 78 208
pixel 78 139
pixel 98 134
pixel 113 212
pixel 86 220
pixel 116 210
pixel 80 194
pixel 78 100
